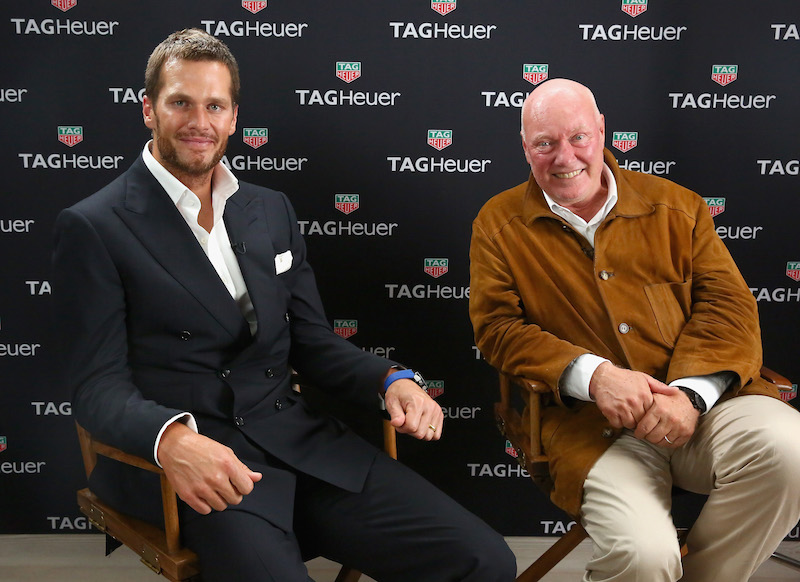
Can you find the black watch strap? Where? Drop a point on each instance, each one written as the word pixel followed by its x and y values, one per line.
pixel 694 398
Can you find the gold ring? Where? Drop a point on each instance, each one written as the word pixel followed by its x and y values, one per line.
pixel 433 428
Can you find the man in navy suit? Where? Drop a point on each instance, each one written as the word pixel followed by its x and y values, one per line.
pixel 185 300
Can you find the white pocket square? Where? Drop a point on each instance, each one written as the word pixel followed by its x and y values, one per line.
pixel 283 262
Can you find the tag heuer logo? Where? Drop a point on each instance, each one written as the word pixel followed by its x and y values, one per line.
pixel 535 73
pixel 345 327
pixel 716 206
pixel 634 7
pixel 443 7
pixel 255 137
pixel 435 388
pixel 254 5
pixel 724 74
pixel 346 203
pixel 793 270
pixel 70 134
pixel 64 5
pixel 436 267
pixel 787 395
pixel 625 141
pixel 3 444
pixel 440 138
pixel 511 450
pixel 348 71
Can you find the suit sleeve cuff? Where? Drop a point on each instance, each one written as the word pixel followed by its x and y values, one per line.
pixel 184 417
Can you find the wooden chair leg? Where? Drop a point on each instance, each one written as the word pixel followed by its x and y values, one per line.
pixel 557 552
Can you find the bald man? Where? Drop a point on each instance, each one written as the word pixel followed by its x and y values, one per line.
pixel 613 287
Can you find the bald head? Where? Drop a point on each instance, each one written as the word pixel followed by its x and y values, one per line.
pixel 555 93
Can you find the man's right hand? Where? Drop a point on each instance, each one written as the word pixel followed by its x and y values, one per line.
pixel 624 396
pixel 205 474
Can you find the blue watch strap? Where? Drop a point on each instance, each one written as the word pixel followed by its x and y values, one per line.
pixel 397 376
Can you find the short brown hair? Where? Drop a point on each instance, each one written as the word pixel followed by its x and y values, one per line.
pixel 190 44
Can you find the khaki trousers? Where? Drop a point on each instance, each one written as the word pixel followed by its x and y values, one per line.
pixel 745 455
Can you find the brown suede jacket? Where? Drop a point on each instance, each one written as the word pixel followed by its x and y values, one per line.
pixel 660 294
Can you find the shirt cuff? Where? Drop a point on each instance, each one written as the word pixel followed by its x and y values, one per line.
pixel 184 417
pixel 710 388
pixel 575 380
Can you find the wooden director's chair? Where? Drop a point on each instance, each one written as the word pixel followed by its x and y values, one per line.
pixel 160 549
pixel 530 455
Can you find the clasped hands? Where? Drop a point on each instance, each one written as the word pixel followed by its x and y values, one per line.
pixel 660 414
pixel 208 475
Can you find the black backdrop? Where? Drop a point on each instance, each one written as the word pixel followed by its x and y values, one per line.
pixel 354 100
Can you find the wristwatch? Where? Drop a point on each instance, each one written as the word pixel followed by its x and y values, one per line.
pixel 694 398
pixel 410 374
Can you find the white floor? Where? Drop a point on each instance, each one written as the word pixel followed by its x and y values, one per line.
pixel 79 558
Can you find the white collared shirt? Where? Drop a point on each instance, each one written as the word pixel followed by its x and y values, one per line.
pixel 588 229
pixel 575 380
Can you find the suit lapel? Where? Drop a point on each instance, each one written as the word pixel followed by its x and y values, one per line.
pixel 246 222
pixel 153 218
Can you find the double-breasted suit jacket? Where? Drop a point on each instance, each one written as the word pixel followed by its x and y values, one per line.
pixel 149 331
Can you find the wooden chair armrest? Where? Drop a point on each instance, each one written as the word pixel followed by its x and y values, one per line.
pixel 783 384
pixel 91 447
pixel 528 439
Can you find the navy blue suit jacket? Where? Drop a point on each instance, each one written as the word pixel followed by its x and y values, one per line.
pixel 149 331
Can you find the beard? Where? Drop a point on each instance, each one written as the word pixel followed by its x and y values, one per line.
pixel 171 157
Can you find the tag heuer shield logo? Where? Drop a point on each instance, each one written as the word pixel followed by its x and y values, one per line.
pixel 348 71
pixel 70 134
pixel 787 395
pixel 440 138
pixel 3 444
pixel 634 7
pixel 793 270
pixel 436 267
pixel 255 137
pixel 510 450
pixel 716 206
pixel 443 7
pixel 64 5
pixel 345 327
pixel 435 388
pixel 346 203
pixel 254 5
pixel 625 141
pixel 724 74
pixel 535 74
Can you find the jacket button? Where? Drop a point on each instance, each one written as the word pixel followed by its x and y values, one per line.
pixel 607 433
pixel 278 404
pixel 624 328
pixel 239 421
pixel 604 275
pixel 270 373
pixel 224 373
pixel 186 335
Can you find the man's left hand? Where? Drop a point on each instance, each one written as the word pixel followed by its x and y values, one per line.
pixel 670 421
pixel 412 411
